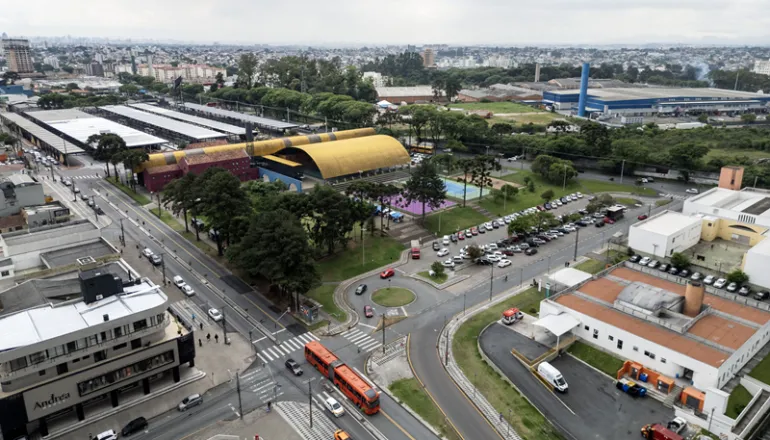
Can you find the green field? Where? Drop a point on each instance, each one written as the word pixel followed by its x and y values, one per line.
pixel 393 296
pixel 496 107
pixel 453 220
pixel 438 279
pixel 522 416
pixel 762 370
pixel 753 154
pixel 596 358
pixel 411 393
pixel 626 201
pixel 534 118
pixel 591 266
pixel 138 198
pixel 378 252
pixel 739 398
pixel 324 294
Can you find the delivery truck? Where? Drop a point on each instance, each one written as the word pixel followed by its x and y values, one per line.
pixel 659 432
pixel 552 376
pixel 415 249
pixel 512 315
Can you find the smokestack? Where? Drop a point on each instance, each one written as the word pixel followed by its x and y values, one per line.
pixel 537 72
pixel 693 298
pixel 583 90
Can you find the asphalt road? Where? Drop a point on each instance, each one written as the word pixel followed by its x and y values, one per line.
pixel 593 408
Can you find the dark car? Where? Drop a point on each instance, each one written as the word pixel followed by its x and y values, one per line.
pixel 360 289
pixel 436 246
pixel 673 271
pixel 548 206
pixel 134 426
pixel 530 251
pixel 453 237
pixel 684 273
pixel 156 260
pixel 599 224
pixel 293 366
pixel 635 258
pixel 761 295
pixel 484 261
pixel 581 223
pixel 664 267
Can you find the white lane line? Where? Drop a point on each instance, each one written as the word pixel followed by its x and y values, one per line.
pixel 264 353
pixel 275 352
pixel 313 336
pixel 367 325
pixel 279 331
pixel 260 339
pixel 349 332
pixel 304 338
pixel 288 350
pixel 358 338
pixel 291 345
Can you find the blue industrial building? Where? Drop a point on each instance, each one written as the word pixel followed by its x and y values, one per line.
pixel 655 100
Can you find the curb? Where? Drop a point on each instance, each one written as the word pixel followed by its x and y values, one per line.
pixel 446 284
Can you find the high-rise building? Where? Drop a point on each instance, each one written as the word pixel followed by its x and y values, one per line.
pixel 52 61
pixel 94 69
pixel 762 67
pixel 99 58
pixel 19 58
pixel 428 57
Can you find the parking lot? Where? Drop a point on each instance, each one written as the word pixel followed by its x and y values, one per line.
pixel 592 408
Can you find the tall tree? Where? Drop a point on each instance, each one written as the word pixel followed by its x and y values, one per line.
pixel 180 196
pixel 247 69
pixel 105 146
pixel 467 165
pixel 332 217
pixel 222 200
pixel 482 172
pixel 425 186
pixel 131 159
pixel 276 247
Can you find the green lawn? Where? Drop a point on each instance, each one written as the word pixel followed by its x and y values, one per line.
pixel 138 198
pixel 167 218
pixel 522 416
pixel 378 251
pixel 753 154
pixel 662 202
pixel 542 118
pixel 627 201
pixel 438 279
pixel 591 266
pixel 453 220
pixel 739 398
pixel 762 370
pixel 496 107
pixel 596 358
pixel 393 296
pixel 324 294
pixel 411 393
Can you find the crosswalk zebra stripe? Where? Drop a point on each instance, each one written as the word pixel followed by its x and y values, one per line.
pixel 293 344
pixel 303 338
pixel 275 352
pixel 267 355
pixel 369 344
pixel 312 336
pixel 358 338
pixel 288 350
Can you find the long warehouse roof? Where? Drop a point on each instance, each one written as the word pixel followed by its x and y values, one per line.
pixel 182 128
pixel 197 120
pixel 260 122
pixel 56 142
pixel 80 125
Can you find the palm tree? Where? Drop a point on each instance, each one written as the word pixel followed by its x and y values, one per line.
pixel 115 159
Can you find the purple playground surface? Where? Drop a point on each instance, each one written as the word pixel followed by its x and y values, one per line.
pixel 416 207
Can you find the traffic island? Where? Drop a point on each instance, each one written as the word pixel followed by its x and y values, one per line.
pixel 393 297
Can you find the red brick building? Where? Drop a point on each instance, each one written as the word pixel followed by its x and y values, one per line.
pixel 236 162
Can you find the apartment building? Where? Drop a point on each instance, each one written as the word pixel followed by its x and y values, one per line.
pixel 84 346
pixel 18 54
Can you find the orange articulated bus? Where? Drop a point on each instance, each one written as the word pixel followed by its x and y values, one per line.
pixel 345 378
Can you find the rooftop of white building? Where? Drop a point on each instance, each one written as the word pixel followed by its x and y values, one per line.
pixel 667 223
pixel 747 201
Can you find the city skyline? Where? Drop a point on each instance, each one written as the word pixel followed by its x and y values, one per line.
pixel 594 23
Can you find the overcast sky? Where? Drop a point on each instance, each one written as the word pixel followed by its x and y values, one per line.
pixel 353 22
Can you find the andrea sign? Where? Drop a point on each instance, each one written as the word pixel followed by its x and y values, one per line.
pixel 53 400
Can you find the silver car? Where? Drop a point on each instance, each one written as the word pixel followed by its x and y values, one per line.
pixel 189 402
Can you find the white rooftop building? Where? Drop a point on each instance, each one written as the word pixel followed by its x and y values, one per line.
pixel 665 233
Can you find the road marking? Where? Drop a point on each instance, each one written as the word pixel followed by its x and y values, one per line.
pixel 260 356
pixel 264 353
pixel 106 189
pixel 260 339
pixel 403 310
pixel 279 331
pixel 367 325
pixel 370 345
pixel 401 428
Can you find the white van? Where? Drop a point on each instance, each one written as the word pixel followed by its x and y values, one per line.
pixel 552 376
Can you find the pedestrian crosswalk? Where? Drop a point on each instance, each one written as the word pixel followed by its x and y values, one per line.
pixel 83 177
pixel 362 340
pixel 285 348
pixel 675 196
pixel 261 383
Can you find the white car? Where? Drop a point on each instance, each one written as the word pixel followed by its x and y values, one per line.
pixel 645 261
pixel 579 195
pixel 334 407
pixel 106 435
pixel 443 252
pixel 493 258
pixel 215 314
pixel 448 263
pixel 504 263
pixel 179 281
pixel 445 240
pixel 720 283
pixel 147 253
pixel 691 191
pixel 188 290
pixel 457 258
pixel 489 226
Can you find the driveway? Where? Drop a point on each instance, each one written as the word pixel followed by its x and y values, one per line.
pixel 593 409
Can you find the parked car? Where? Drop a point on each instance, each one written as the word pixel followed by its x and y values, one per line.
pixel 187 290
pixel 653 264
pixel 530 251
pixel 215 314
pixel 189 402
pixel 293 366
pixel 664 267
pixel 387 273
pixel 334 407
pixel 761 295
pixel 453 237
pixel 106 435
pixel 599 224
pixel 709 279
pixel 720 283
pixel 642 217
pixel 673 271
pixel 147 252
pixel 691 191
pixel 448 263
pixel 744 291
pixel 156 260
pixel 368 311
pixel 436 246
pixel 445 240
pixel 732 287
pixel 635 258
pixel 179 281
pixel 360 289
pixel 645 261
pixel 696 276
pixel 504 263
pixel 684 273
pixel 443 252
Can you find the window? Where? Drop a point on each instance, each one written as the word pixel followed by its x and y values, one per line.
pixel 611 338
pixel 636 348
pixel 119 346
pixel 36 358
pixel 62 368
pixel 596 334
pixel 100 355
pixel 118 332
pixel 41 372
pixel 5 273
pixel 662 360
pixel 136 343
pixel 620 344
pixel 119 375
pixel 72 346
pixel 586 328
pixel 140 325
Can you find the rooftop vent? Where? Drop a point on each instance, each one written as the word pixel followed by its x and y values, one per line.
pixel 86 263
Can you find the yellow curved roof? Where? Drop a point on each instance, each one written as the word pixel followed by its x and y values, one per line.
pixel 258 148
pixel 341 158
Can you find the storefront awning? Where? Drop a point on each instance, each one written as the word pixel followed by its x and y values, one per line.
pixel 558 324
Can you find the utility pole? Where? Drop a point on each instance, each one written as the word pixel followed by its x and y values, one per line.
pixel 74 194
pixel 446 346
pixel 577 235
pixel 122 233
pixel 736 80
pixel 287 114
pixel 622 168
pixel 491 280
pixel 224 324
pixel 564 185
pixel 163 267
pixel 160 212
pixel 238 388
pixel 310 401
pixel 383 333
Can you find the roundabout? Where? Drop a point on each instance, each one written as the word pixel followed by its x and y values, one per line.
pixel 393 296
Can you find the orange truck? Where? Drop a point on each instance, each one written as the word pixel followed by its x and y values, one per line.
pixel 415 249
pixel 659 432
pixel 512 315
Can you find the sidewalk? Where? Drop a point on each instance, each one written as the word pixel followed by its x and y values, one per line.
pixel 269 426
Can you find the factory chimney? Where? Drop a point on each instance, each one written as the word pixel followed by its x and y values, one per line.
pixel 537 72
pixel 583 90
pixel 693 298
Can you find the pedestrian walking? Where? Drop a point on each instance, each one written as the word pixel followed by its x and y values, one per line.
pixel 200 343
pixel 208 337
pixel 201 326
pixel 216 338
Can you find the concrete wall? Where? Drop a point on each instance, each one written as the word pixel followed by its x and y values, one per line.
pixel 756 264
pixel 27 255
pixel 661 245
pixel 667 362
pixel 731 230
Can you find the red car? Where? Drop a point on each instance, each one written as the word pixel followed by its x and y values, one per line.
pixel 387 273
pixel 461 236
pixel 474 231
pixel 609 221
pixel 642 217
pixel 540 208
pixel 368 311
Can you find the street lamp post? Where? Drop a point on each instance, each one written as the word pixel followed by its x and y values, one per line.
pixel 564 185
pixel 363 247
